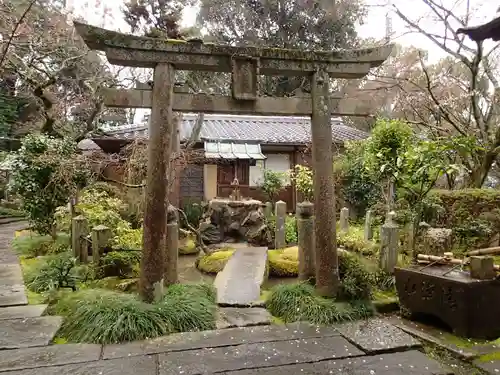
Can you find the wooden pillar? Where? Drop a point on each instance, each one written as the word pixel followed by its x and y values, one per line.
pixel 327 276
pixel 160 133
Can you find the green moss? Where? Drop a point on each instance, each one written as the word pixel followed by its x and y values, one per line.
pixel 264 294
pixel 215 262
pixel 187 246
pixel 35 298
pixel 59 341
pixel 284 262
pixel 384 296
pixel 495 356
pixel 277 321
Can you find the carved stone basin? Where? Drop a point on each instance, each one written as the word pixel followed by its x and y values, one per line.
pixel 470 307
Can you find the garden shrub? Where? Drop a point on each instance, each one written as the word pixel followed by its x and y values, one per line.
pixel 120 263
pixel 106 317
pixel 291 235
pixel 473 214
pixel 55 272
pixel 194 212
pixel 353 240
pixel 298 302
pixel 46 172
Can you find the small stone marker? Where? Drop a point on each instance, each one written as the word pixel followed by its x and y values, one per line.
pixel 279 236
pixel 101 234
pixel 268 210
pixel 172 247
pixel 482 268
pixel 344 219
pixel 368 226
pixel 305 229
pixel 389 245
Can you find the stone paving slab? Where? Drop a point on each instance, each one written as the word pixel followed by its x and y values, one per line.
pixel 144 365
pixel 222 338
pixel 405 363
pixel 19 312
pixel 377 336
pixel 238 284
pixel 230 317
pixel 12 291
pixel 30 332
pixel 212 360
pixel 52 355
pixel 490 367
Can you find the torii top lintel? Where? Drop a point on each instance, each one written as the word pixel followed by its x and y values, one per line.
pixel 137 51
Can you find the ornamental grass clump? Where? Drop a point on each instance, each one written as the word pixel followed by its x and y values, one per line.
pixel 105 317
pixel 298 302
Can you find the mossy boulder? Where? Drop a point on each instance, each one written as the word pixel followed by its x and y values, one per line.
pixel 215 262
pixel 284 262
pixel 187 246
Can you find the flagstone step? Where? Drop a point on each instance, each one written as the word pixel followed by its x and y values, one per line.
pixel 29 332
pixel 21 312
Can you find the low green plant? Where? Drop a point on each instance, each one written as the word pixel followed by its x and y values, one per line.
pixel 11 212
pixel 34 245
pixel 54 272
pixel 355 279
pixel 104 317
pixel 291 235
pixel 194 211
pixel 298 302
pixel 119 263
pixel 353 240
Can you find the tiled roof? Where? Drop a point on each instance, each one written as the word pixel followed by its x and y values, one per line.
pixel 262 129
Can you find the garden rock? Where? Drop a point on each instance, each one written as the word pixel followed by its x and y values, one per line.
pixel 437 241
pixel 235 221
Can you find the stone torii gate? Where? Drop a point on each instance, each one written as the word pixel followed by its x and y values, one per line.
pixel 245 65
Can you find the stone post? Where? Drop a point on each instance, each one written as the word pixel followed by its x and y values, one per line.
pixel 305 228
pixel 78 243
pixel 327 275
pixel 268 210
pixel 368 226
pixel 389 245
pixel 101 235
pixel 160 134
pixel 172 247
pixel 344 219
pixel 279 234
pixel 482 268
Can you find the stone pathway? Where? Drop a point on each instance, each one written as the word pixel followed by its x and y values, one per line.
pixel 21 325
pixel 238 284
pixel 374 347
